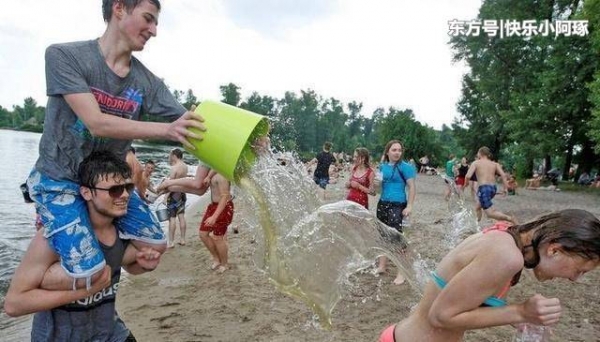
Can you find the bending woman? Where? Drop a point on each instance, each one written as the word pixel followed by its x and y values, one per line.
pixel 467 290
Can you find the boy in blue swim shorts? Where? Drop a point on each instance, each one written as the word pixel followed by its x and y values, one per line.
pixel 97 93
pixel 486 170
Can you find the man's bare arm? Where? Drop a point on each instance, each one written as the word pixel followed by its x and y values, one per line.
pixel 25 294
pixel 109 126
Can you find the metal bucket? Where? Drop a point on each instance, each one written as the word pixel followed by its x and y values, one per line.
pixel 162 214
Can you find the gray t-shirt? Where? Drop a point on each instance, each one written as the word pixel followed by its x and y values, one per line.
pixel 79 67
pixel 90 319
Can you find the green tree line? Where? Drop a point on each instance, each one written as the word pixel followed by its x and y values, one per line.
pixel 533 97
pixel 302 122
pixel 28 117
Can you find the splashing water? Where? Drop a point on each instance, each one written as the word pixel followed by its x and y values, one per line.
pixel 310 251
pixel 464 221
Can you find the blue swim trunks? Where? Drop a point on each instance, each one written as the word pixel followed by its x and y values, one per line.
pixel 321 181
pixel 176 203
pixel 485 193
pixel 67 225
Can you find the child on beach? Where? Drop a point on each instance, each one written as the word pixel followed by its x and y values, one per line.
pixel 216 220
pixel 361 178
pixel 467 290
pixel 486 170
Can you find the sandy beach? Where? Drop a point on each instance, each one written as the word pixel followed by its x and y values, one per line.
pixel 183 300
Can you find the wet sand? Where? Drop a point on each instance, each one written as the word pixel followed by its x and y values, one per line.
pixel 183 300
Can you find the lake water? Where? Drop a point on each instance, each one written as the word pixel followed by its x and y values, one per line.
pixel 18 153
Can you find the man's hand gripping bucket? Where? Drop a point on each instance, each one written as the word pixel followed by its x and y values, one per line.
pixel 227 142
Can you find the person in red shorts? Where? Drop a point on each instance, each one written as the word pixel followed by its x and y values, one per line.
pixel 360 184
pixel 217 218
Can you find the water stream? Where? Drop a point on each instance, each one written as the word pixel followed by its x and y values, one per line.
pixel 310 251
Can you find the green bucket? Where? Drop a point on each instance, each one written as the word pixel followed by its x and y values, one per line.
pixel 226 143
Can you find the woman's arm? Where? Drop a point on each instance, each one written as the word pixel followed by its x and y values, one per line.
pixel 457 306
pixel 371 189
pixel 412 193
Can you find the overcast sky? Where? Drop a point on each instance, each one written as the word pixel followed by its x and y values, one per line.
pixel 381 52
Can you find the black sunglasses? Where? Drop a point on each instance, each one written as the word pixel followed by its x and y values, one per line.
pixel 116 191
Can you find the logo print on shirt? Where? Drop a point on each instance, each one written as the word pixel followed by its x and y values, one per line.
pixel 124 106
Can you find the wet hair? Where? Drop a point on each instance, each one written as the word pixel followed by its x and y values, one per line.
pixel 576 230
pixel 387 148
pixel 485 151
pixel 132 149
pixel 100 165
pixel 364 154
pixel 177 153
pixel 327 146
pixel 107 6
pixel 150 161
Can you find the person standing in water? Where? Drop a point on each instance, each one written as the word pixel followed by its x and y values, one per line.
pixel 486 170
pixel 394 204
pixel 467 290
pixel 360 184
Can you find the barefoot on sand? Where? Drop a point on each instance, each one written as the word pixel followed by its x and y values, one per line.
pixel 215 265
pixel 222 269
pixel 248 306
pixel 399 279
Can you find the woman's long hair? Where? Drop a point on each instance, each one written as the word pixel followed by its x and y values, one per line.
pixel 363 153
pixel 387 149
pixel 576 230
